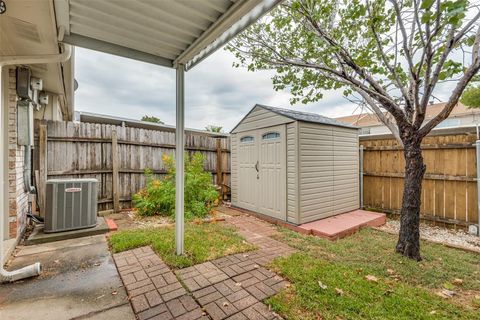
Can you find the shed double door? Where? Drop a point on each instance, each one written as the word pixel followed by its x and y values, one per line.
pixel 262 171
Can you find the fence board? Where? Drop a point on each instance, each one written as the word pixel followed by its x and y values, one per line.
pixel 449 190
pixel 84 150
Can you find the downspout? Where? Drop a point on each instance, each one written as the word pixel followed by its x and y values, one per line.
pixel 33 269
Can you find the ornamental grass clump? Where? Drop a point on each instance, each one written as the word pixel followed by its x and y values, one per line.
pixel 158 196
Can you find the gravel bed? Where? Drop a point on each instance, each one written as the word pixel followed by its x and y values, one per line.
pixel 433 233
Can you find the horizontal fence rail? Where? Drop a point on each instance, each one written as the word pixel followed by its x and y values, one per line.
pixel 117 157
pixel 449 189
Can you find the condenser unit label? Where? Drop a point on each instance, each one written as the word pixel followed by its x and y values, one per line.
pixel 73 189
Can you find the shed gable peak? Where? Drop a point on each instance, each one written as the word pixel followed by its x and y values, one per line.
pixel 260 117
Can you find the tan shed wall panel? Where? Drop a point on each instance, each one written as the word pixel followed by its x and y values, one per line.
pixel 328 166
pixel 315 171
pixel 292 176
pixel 234 168
pixel 260 118
pixel 346 170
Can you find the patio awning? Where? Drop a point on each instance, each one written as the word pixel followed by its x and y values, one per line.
pixel 163 32
pixel 171 33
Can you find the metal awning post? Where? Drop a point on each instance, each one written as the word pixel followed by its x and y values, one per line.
pixel 179 161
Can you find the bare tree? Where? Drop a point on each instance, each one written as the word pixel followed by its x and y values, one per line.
pixel 390 54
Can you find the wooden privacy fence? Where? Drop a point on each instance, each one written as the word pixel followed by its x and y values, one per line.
pixel 449 192
pixel 118 156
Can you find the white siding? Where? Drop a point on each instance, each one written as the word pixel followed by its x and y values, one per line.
pixel 292 176
pixel 260 118
pixel 234 168
pixel 328 171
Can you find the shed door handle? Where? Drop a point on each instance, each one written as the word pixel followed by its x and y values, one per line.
pixel 256 166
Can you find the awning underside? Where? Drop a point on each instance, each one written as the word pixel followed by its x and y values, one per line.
pixel 164 32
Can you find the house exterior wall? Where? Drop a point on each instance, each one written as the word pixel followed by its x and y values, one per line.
pixel 51 111
pixel 328 171
pixel 260 118
pixel 17 197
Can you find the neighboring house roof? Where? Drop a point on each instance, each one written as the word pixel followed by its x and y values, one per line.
pixel 305 116
pixel 371 119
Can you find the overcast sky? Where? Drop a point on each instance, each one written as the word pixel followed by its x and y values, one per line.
pixel 216 93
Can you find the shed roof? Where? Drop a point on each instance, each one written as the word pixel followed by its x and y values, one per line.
pixel 295 115
pixel 306 116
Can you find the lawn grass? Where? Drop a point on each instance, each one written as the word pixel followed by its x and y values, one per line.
pixel 403 289
pixel 203 242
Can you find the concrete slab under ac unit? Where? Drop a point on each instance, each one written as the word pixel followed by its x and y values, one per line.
pixel 38 236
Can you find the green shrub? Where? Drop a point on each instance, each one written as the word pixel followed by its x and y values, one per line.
pixel 158 197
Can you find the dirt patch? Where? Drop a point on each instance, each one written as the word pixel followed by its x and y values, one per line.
pixel 132 220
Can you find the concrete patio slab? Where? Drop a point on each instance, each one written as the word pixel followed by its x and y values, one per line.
pixel 344 224
pixel 79 281
pixel 38 236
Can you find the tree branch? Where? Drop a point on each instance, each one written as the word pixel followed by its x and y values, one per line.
pixel 457 91
pixel 381 115
pixel 383 55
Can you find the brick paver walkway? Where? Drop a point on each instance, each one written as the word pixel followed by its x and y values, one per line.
pixel 230 287
pixel 153 289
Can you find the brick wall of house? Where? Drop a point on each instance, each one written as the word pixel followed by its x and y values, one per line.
pixel 18 198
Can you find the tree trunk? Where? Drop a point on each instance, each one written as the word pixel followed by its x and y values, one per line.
pixel 409 237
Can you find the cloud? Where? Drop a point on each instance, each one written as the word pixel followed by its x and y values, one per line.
pixel 215 92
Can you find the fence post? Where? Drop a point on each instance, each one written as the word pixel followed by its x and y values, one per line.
pixel 361 176
pixel 115 182
pixel 42 167
pixel 477 144
pixel 219 167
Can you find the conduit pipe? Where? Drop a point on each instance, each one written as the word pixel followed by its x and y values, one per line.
pixel 33 269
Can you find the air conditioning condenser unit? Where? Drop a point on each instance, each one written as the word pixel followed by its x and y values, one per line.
pixel 70 204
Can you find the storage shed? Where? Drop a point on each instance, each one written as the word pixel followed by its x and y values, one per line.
pixel 294 166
